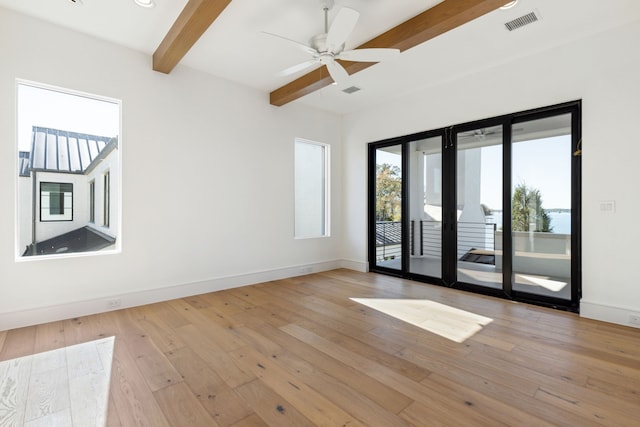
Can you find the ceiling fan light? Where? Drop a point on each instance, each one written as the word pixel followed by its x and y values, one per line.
pixel 145 3
pixel 509 5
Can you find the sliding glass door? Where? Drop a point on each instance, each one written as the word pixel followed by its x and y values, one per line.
pixel 541 206
pixel 479 199
pixel 387 225
pixel 425 206
pixel 491 206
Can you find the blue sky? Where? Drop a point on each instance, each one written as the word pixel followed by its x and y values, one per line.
pixel 58 110
pixel 544 164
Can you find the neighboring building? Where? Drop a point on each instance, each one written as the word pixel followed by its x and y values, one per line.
pixel 66 192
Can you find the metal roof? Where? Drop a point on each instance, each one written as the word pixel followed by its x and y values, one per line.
pixel 54 150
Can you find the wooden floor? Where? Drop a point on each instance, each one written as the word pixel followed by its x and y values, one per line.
pixel 300 352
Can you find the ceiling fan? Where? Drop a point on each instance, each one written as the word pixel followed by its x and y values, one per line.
pixel 483 133
pixel 326 47
pixel 480 133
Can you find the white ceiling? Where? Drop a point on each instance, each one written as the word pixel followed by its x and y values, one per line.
pixel 234 49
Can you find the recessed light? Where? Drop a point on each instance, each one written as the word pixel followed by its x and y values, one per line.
pixel 145 3
pixel 506 6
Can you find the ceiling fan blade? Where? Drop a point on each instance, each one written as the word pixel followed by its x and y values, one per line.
pixel 298 67
pixel 337 72
pixel 369 55
pixel 299 45
pixel 342 26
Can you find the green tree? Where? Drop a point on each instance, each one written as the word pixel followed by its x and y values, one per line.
pixel 527 210
pixel 388 192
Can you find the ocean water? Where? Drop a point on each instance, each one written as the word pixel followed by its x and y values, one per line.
pixel 560 221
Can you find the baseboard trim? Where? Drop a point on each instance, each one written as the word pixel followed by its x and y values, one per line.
pixel 351 264
pixel 607 313
pixel 35 316
pixel 38 315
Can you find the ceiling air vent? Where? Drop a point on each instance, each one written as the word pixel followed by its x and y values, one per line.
pixel 527 19
pixel 351 89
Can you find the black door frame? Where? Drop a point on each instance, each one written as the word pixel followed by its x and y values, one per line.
pixel 449 222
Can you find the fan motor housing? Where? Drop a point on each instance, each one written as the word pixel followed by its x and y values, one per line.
pixel 319 43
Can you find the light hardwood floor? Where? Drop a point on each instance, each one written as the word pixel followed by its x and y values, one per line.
pixel 301 352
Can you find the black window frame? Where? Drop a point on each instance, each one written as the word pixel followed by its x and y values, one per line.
pixel 449 147
pixel 92 201
pixel 61 200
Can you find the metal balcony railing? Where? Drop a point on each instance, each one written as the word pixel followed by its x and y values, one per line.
pixel 471 235
pixel 475 235
pixel 388 240
pixel 431 238
pixel 428 242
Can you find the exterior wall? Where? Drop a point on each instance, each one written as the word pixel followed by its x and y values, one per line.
pixel 598 69
pixel 110 164
pixel 207 180
pixel 23 227
pixel 48 229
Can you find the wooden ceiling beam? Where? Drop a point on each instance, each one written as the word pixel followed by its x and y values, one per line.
pixel 431 23
pixel 195 18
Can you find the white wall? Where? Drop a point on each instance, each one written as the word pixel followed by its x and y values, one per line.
pixel 207 180
pixel 603 71
pixel 48 229
pixel 109 164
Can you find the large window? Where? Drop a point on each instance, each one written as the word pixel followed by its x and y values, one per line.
pixel 311 189
pixel 68 172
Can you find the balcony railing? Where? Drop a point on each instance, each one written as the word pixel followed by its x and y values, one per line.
pixel 475 235
pixel 431 238
pixel 426 238
pixel 388 240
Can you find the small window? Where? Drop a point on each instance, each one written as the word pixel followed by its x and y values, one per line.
pixel 92 201
pixel 311 189
pixel 107 198
pixel 56 201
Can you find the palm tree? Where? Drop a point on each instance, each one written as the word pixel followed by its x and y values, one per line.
pixel 527 210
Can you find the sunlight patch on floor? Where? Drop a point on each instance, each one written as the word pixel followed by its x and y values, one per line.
pixel 64 387
pixel 448 322
pixel 482 276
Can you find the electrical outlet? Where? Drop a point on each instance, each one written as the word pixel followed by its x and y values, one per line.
pixel 634 319
pixel 114 303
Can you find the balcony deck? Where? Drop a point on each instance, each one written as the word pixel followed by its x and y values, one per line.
pixel 489 276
